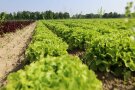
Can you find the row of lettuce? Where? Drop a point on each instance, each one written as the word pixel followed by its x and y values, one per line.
pixel 123 24
pixel 107 49
pixel 51 67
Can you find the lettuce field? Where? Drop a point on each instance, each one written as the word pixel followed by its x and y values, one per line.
pixel 107 46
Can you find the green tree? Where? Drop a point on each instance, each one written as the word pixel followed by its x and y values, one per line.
pixel 2 16
pixel 66 15
pixel 49 14
pixel 61 15
pixel 128 9
pixel 2 19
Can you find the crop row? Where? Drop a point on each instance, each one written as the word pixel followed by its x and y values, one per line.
pixel 12 26
pixel 74 37
pixel 52 68
pixel 45 43
pixel 99 24
pixel 106 49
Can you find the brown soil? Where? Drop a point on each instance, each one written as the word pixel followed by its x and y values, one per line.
pixel 109 81
pixel 77 52
pixel 12 49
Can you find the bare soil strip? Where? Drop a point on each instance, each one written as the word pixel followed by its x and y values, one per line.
pixel 12 48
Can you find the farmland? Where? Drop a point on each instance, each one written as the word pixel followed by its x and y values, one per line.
pixel 12 26
pixel 12 48
pixel 78 54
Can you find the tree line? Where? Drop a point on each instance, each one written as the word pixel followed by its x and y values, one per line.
pixel 27 15
pixel 105 15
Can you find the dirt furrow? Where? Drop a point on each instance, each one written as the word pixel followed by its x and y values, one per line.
pixel 12 51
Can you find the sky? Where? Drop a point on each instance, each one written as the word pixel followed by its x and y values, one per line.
pixel 71 6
